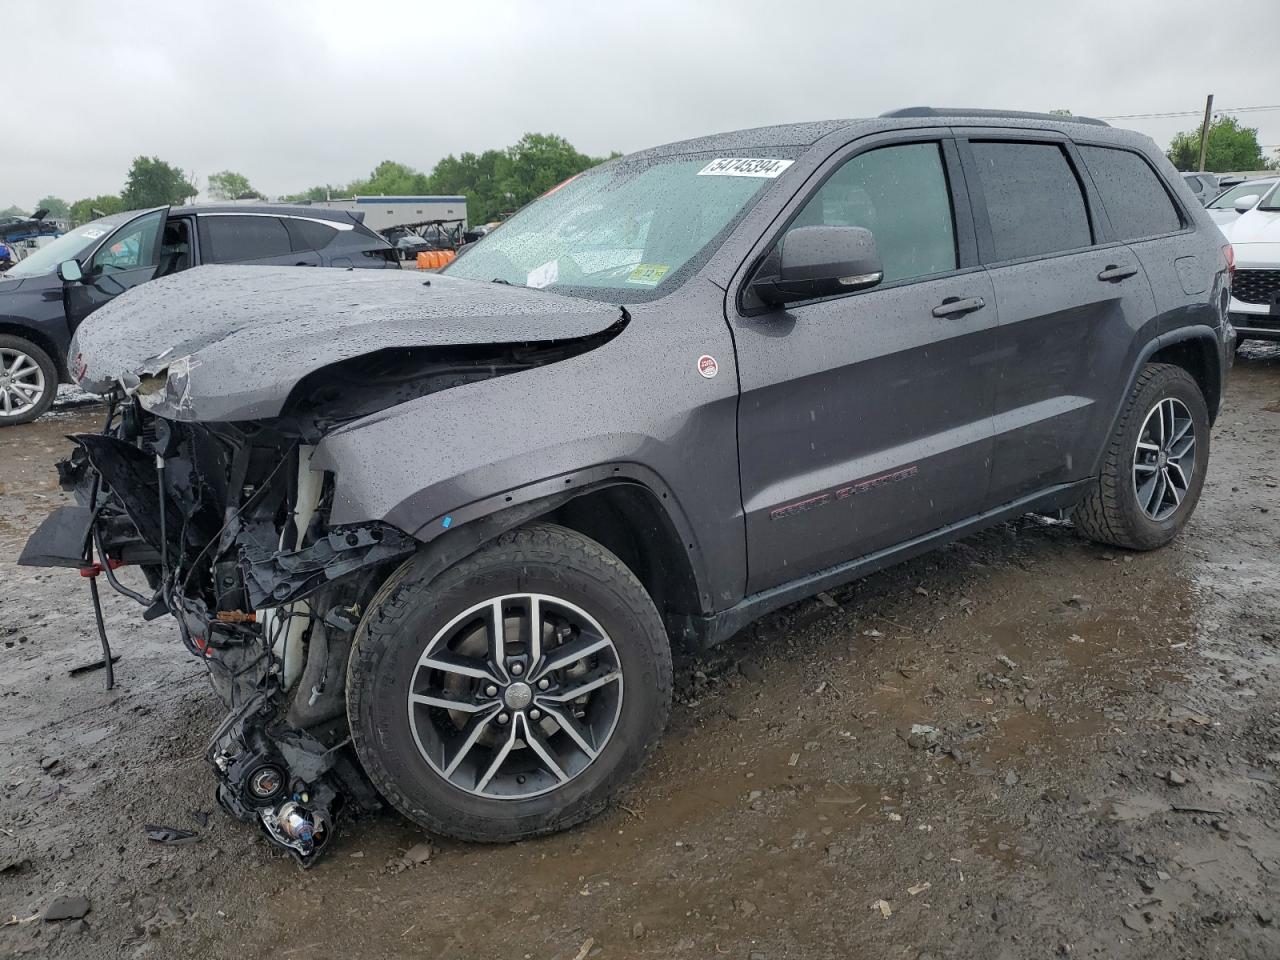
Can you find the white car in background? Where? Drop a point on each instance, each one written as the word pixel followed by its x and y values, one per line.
pixel 1227 206
pixel 1255 290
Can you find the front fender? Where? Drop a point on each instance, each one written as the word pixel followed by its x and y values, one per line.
pixel 618 413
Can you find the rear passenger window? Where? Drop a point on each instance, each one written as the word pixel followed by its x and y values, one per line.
pixel 233 239
pixel 1034 200
pixel 1136 200
pixel 308 234
pixel 900 195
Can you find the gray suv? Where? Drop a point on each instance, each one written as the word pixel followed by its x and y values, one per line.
pixel 434 537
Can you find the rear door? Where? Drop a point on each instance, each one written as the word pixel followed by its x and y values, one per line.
pixel 1181 262
pixel 130 256
pixel 1070 300
pixel 864 419
pixel 250 238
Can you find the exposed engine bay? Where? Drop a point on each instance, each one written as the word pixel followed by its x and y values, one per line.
pixel 227 522
pixel 211 476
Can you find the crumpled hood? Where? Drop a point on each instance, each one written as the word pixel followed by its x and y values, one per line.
pixel 234 341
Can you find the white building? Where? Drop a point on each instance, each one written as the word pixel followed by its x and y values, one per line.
pixel 382 212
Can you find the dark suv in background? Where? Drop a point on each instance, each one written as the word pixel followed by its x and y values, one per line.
pixel 40 307
pixel 458 524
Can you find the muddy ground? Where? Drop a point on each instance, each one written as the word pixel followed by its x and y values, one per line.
pixel 1102 781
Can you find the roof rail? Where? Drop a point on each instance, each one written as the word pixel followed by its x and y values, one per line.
pixel 994 114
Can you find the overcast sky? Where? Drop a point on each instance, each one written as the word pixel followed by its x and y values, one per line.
pixel 294 94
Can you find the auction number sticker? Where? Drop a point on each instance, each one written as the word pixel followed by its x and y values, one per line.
pixel 744 167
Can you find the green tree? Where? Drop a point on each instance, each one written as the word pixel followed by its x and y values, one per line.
pixel 1231 147
pixel 498 182
pixel 537 162
pixel 495 182
pixel 478 177
pixel 313 194
pixel 13 210
pixel 153 183
pixel 91 208
pixel 229 185
pixel 389 179
pixel 57 207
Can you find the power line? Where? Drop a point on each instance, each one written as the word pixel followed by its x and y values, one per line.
pixel 1189 113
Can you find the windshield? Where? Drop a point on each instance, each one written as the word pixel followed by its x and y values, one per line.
pixel 1270 201
pixel 624 231
pixel 1228 200
pixel 69 246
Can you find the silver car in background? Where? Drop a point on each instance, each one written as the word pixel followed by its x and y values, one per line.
pixel 1241 198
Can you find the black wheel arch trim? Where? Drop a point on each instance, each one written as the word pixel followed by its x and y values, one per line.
pixel 456 534
pixel 1209 338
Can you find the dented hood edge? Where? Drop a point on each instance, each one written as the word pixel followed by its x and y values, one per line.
pixel 230 343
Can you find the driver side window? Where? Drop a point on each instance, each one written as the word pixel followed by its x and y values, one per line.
pixel 130 247
pixel 900 194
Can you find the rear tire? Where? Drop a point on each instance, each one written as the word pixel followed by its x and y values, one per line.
pixel 1154 466
pixel 28 381
pixel 519 755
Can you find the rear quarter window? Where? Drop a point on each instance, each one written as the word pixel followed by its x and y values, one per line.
pixel 1134 195
pixel 308 234
pixel 1034 201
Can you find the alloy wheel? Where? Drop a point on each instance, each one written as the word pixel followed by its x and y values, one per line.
pixel 515 696
pixel 21 382
pixel 1164 459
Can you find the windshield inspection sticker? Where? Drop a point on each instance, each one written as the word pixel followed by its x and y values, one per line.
pixel 648 274
pixel 93 233
pixel 744 167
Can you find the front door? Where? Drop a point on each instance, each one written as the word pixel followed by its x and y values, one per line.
pixel 865 419
pixel 125 259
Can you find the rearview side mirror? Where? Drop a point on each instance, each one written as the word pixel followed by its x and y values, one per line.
pixel 819 261
pixel 1246 203
pixel 69 271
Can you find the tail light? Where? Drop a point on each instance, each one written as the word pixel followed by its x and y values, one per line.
pixel 1230 254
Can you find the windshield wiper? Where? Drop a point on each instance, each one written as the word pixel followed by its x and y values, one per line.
pixel 505 283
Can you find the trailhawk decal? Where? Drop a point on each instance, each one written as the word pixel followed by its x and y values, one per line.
pixel 744 167
pixel 842 493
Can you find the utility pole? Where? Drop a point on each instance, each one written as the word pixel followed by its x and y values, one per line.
pixel 1204 131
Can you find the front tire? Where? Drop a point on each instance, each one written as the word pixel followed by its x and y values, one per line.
pixel 1154 466
pixel 28 381
pixel 475 725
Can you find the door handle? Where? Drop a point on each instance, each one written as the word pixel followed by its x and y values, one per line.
pixel 955 307
pixel 1113 272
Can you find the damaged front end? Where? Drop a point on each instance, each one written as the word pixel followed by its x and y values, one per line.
pixel 229 526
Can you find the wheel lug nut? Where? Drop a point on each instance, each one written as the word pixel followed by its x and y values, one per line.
pixel 535 714
pixel 503 718
pixel 544 683
pixel 491 691
pixel 517 668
